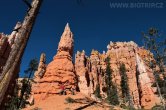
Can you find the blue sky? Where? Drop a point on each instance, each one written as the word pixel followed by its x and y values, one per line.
pixel 93 22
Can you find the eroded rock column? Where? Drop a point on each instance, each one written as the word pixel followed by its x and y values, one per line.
pixel 60 71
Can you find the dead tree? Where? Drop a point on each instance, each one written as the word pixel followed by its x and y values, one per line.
pixel 18 48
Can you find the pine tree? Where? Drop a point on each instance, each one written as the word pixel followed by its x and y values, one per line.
pixel 112 95
pixel 108 79
pixel 124 85
pixel 97 91
pixel 26 86
pixel 124 80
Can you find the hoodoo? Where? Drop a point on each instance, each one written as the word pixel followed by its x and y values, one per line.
pixel 60 71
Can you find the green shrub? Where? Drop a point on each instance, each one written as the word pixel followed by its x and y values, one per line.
pixel 69 100
pixel 125 107
pixel 158 107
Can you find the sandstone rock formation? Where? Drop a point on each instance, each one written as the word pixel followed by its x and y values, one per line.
pixel 90 71
pixel 126 53
pixel 81 68
pixel 41 68
pixel 94 69
pixel 147 95
pixel 142 94
pixel 60 71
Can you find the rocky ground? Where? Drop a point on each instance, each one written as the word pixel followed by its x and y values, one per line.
pixel 58 102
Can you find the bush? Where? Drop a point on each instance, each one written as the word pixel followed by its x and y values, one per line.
pixel 126 107
pixel 158 107
pixel 69 100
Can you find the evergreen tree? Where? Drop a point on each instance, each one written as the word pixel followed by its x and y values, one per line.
pixel 154 42
pixel 97 91
pixel 124 85
pixel 26 86
pixel 124 80
pixel 112 95
pixel 108 77
pixel 20 101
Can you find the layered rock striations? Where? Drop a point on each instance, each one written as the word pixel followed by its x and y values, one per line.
pixel 41 68
pixel 81 68
pixel 127 53
pixel 90 72
pixel 140 76
pixel 58 72
pixel 147 96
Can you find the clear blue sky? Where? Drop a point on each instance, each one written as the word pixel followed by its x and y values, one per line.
pixel 93 22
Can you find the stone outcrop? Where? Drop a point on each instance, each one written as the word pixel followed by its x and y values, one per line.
pixel 94 69
pixel 82 70
pixel 58 72
pixel 90 71
pixel 41 68
pixel 125 52
pixel 147 95
pixel 142 94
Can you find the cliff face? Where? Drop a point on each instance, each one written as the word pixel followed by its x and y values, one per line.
pixel 58 72
pixel 140 76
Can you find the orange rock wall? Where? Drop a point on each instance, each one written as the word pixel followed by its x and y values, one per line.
pixel 142 94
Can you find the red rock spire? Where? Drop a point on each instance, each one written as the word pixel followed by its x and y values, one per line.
pixel 66 42
pixel 60 70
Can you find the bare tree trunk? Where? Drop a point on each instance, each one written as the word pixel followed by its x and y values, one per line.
pixel 159 92
pixel 19 47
